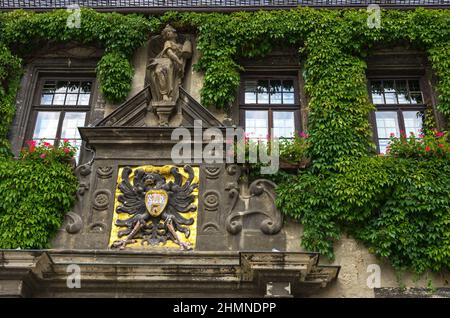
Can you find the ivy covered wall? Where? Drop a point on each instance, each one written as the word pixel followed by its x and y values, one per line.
pixel 332 46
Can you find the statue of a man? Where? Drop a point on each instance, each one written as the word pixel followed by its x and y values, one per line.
pixel 166 70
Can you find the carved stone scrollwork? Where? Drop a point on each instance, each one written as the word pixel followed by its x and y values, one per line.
pixel 74 221
pixel 259 190
pixel 212 172
pixel 234 170
pixel 105 172
pixel 83 170
pixel 74 224
pixel 97 227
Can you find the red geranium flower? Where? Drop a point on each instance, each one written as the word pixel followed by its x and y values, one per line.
pixel 427 148
pixel 31 145
pixel 304 135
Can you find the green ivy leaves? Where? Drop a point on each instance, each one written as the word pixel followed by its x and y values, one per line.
pixel 115 74
pixel 399 207
pixel 35 196
pixel 24 31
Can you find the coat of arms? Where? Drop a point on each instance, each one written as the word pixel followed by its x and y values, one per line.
pixel 155 207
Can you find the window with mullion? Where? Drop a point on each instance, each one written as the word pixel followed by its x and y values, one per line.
pixel 400 108
pixel 60 107
pixel 269 106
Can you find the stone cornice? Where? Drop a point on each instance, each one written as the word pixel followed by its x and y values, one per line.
pixel 137 273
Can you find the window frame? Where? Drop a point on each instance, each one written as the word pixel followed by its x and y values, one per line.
pixel 398 108
pixel 37 107
pixel 271 108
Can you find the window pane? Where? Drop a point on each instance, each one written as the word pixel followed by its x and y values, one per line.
pixel 263 92
pixel 275 92
pixel 389 86
pixel 283 124
pixel 390 98
pixel 49 87
pixel 71 99
pixel 288 86
pixel 288 98
pixel 416 98
pixel 47 92
pixel 414 86
pixel 61 87
pixel 73 87
pixel 70 125
pixel 387 123
pixel 250 92
pixel 383 143
pixel 377 93
pixel 256 124
pixel 46 99
pixel 413 122
pixel 46 125
pixel 59 99
pixel 86 87
pixel 402 92
pixel 83 99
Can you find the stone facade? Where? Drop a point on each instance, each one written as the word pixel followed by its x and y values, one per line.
pixel 243 248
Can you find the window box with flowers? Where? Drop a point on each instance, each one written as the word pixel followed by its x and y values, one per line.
pixel 434 144
pixel 65 152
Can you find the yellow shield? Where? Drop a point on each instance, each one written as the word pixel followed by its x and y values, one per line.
pixel 156 201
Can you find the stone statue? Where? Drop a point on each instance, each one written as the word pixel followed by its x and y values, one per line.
pixel 165 73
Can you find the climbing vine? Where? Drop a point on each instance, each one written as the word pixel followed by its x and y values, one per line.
pixel 390 203
pixel 22 32
pixel 346 187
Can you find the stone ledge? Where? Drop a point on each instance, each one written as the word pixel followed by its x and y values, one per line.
pixel 108 273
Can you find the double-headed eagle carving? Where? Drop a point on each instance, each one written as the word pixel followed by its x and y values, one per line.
pixel 155 207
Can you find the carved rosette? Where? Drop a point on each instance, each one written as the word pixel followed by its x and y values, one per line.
pixel 211 200
pixel 101 199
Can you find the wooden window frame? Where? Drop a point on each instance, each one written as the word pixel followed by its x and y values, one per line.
pixel 37 107
pixel 398 108
pixel 270 108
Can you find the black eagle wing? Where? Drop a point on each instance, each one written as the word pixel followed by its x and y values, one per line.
pixel 132 198
pixel 181 197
